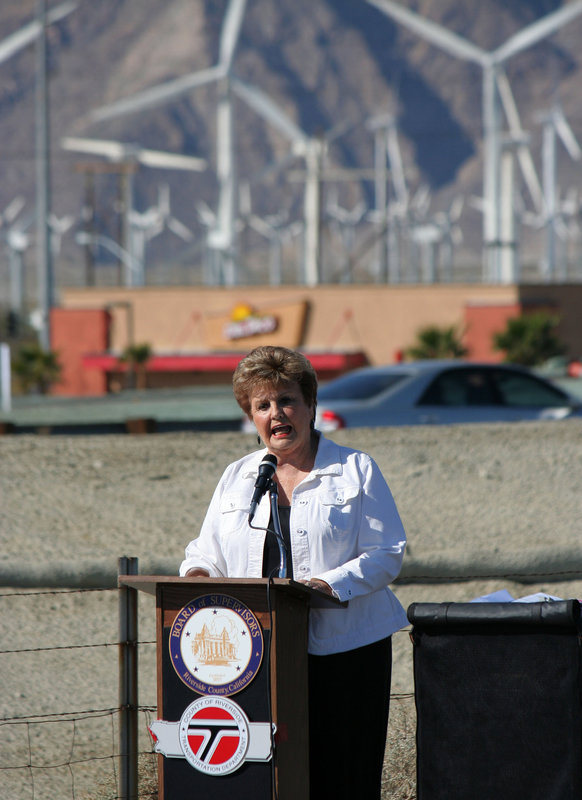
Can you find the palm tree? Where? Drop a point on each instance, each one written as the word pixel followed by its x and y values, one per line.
pixel 136 356
pixel 435 342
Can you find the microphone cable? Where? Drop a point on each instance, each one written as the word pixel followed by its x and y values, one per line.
pixel 269 685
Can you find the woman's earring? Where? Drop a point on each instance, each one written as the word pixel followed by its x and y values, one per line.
pixel 258 439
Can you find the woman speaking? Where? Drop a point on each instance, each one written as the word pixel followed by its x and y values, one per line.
pixel 343 535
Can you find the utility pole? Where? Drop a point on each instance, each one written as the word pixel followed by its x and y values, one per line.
pixel 43 186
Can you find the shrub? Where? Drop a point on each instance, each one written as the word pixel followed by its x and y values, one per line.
pixel 530 339
pixel 36 368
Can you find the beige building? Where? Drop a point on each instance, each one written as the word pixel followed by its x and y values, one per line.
pixel 198 333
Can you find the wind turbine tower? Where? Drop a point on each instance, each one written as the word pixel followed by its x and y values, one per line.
pixel 555 126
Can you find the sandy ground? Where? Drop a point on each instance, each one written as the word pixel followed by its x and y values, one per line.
pixel 506 495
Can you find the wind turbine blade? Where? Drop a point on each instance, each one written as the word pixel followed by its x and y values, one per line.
pixel 230 32
pixel 429 30
pixel 566 134
pixel 59 12
pixel 524 156
pixel 116 151
pixel 158 94
pixel 206 215
pixel 538 30
pixel 260 226
pixel 13 209
pixel 266 108
pixel 16 41
pixel 180 229
pixel 157 158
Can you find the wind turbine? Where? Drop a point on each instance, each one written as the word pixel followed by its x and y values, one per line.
pixel 555 126
pixel 313 149
pixel 347 221
pixel 492 65
pixel 392 214
pixel 274 229
pixel 146 225
pixel 128 156
pixel 451 235
pixel 59 226
pixel 168 220
pixel 222 238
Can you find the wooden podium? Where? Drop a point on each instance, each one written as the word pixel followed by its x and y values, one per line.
pixel 232 683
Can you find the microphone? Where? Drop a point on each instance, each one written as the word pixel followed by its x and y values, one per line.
pixel 267 469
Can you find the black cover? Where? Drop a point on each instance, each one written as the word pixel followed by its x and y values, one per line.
pixel 498 700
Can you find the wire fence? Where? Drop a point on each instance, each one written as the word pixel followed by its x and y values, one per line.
pixel 60 710
pixel 69 750
pixel 82 766
pixel 60 707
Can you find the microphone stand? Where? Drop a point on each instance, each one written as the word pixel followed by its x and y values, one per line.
pixel 274 500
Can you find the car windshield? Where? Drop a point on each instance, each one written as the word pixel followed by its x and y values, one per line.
pixel 360 386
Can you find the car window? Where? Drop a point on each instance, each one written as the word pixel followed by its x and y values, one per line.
pixel 525 390
pixel 460 387
pixel 358 386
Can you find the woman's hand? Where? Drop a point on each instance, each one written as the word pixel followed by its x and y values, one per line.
pixel 197 572
pixel 317 583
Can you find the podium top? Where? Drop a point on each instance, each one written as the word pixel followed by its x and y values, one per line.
pixel 150 584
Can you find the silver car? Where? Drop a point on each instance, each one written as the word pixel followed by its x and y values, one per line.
pixel 440 393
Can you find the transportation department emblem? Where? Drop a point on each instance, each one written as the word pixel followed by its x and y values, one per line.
pixel 216 645
pixel 214 735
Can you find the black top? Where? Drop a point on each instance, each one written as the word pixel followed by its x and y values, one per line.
pixel 271 556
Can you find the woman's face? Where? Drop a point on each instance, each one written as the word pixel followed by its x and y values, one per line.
pixel 282 418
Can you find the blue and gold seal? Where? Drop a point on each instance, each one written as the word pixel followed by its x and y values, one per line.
pixel 216 645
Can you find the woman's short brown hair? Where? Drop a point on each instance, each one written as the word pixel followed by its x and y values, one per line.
pixel 273 366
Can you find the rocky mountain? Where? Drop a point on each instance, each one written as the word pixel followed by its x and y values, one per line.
pixel 330 65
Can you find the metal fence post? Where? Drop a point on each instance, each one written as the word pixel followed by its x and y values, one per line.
pixel 128 705
pixel 5 385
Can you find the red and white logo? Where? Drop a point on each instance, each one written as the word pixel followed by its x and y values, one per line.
pixel 211 735
pixel 214 735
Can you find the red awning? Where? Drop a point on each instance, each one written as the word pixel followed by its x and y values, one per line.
pixel 219 362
